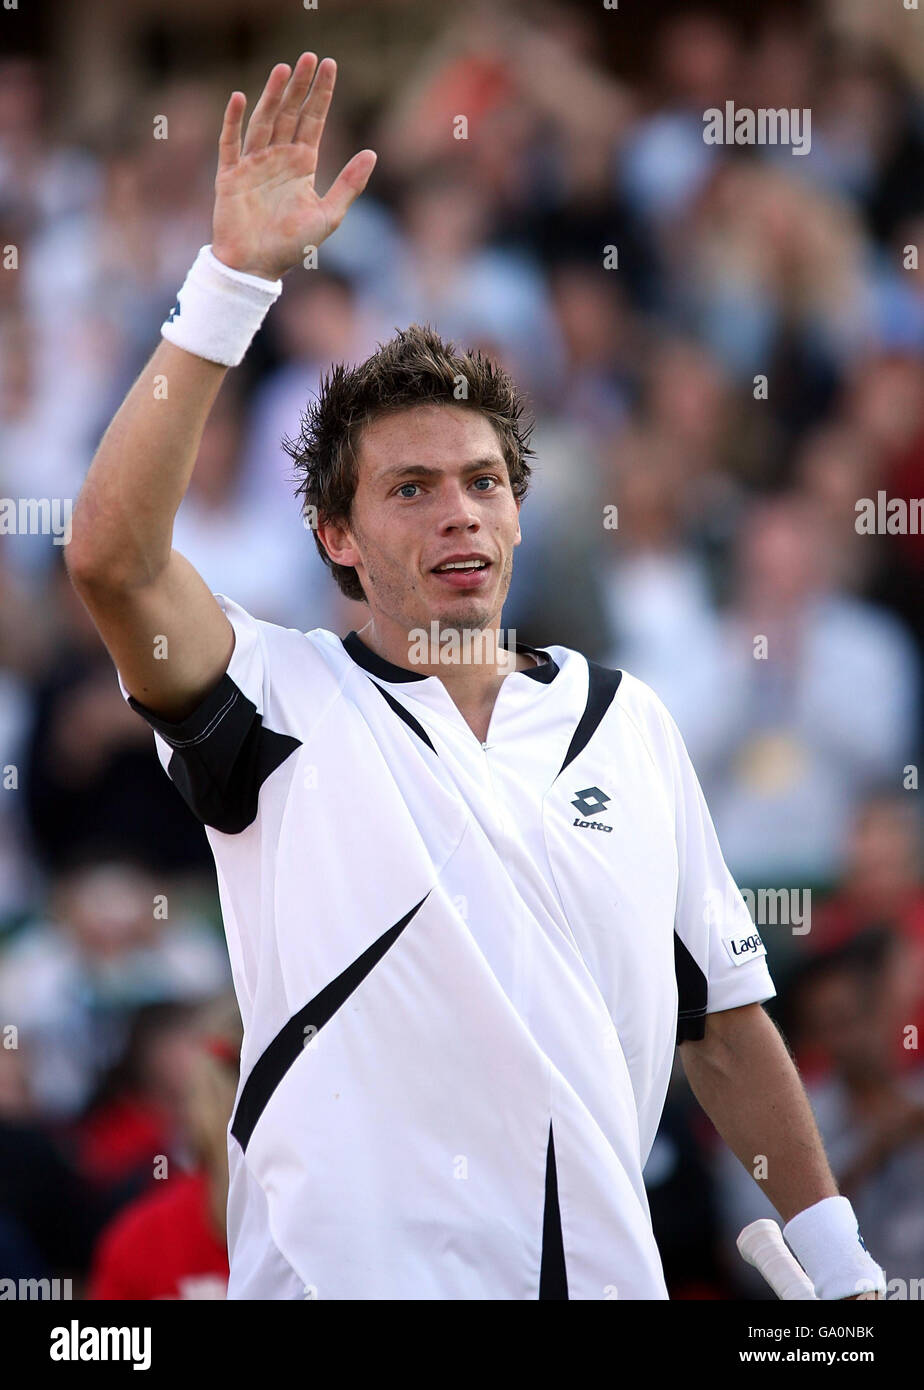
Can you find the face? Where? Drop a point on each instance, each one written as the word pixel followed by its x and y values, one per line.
pixel 849 1024
pixel 433 485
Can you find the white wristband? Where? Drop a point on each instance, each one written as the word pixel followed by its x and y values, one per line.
pixel 826 1240
pixel 219 310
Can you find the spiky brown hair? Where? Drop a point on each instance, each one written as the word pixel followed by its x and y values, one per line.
pixel 415 368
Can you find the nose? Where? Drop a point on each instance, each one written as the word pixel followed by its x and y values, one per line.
pixel 459 512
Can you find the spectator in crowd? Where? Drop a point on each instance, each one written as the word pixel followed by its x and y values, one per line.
pixel 241 545
pixel 50 1215
pixel 45 176
pixel 791 702
pixel 885 409
pixel 24 646
pixel 851 1005
pixel 318 323
pixel 113 940
pixel 89 774
pixel 882 887
pixel 171 1242
pixel 816 696
pixel 449 273
pixel 665 161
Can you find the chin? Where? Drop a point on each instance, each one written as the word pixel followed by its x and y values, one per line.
pixel 471 613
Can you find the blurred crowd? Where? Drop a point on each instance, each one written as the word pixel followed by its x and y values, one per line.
pixel 723 348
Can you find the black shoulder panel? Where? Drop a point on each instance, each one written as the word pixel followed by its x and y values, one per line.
pixel 602 687
pixel 222 755
pixel 692 995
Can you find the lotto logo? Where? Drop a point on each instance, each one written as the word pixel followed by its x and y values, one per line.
pixel 591 801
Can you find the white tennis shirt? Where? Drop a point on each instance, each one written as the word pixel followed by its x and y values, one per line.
pixel 462 967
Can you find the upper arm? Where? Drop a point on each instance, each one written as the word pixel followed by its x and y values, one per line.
pixel 169 639
pixel 219 753
pixel 719 957
pixel 721 1027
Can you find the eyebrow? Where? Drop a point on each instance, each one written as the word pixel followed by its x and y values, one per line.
pixel 421 470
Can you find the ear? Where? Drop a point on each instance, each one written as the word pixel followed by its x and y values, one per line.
pixel 337 539
pixel 519 537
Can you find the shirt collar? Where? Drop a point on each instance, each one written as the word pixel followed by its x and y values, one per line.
pixel 377 665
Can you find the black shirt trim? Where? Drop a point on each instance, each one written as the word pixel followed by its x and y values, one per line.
pixel 289 1043
pixel 601 690
pixel 222 755
pixel 386 670
pixel 553 1274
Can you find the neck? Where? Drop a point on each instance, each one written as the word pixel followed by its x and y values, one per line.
pixel 471 662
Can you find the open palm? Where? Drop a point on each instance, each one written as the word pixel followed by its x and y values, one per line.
pixel 266 207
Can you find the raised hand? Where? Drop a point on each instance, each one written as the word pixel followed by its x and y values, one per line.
pixel 267 209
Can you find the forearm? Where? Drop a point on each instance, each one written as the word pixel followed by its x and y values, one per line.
pixel 748 1085
pixel 266 212
pixel 122 526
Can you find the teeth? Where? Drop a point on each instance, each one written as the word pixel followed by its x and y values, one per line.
pixel 462 565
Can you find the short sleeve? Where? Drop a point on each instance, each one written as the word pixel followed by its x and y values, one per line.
pixel 720 958
pixel 220 755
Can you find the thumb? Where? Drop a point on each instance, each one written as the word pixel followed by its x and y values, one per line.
pixel 347 186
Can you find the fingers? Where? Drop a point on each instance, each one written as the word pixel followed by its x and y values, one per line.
pixel 292 98
pixel 347 186
pixel 229 141
pixel 260 127
pixel 314 112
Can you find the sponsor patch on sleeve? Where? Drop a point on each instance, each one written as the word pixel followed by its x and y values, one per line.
pixel 744 946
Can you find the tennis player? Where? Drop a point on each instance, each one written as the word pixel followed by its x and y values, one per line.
pixel 472 893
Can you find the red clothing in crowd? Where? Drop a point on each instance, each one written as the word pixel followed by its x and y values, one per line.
pixel 162 1246
pixel 118 1138
pixel 839 921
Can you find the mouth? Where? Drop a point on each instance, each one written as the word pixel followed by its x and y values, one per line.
pixel 463 574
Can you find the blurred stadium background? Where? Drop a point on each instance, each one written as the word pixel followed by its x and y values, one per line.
pixel 736 517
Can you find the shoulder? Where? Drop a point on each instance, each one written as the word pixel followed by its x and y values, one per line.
pixel 611 698
pixel 642 702
pixel 637 710
pixel 271 658
pixel 270 635
pixel 637 701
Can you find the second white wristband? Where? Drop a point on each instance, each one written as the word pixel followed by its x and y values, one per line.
pixel 219 310
pixel 826 1241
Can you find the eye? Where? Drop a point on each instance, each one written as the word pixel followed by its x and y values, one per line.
pixel 484 478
